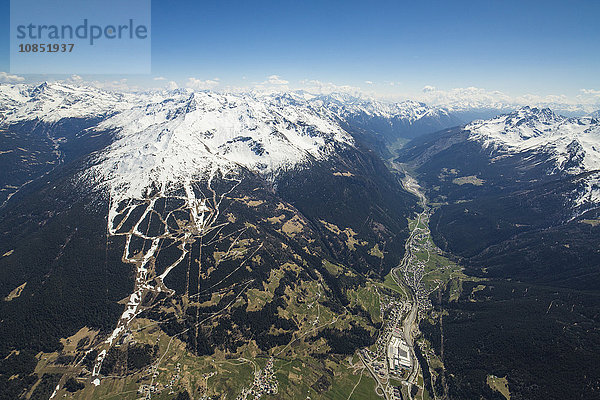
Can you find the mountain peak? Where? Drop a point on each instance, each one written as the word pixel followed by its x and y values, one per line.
pixel 168 142
pixel 529 114
pixel 41 88
pixel 573 144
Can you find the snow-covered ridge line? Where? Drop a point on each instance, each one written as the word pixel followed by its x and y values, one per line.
pixel 571 144
pixel 184 137
pixel 169 136
pixel 541 130
pixel 51 102
pixel 345 105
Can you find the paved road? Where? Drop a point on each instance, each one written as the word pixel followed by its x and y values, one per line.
pixel 409 323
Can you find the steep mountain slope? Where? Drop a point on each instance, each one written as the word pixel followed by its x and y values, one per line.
pixel 237 244
pixel 525 148
pixel 595 114
pixel 517 200
pixel 387 124
pixel 190 226
pixel 51 102
pixel 44 126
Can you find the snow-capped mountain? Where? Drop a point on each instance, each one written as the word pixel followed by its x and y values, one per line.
pixel 515 153
pixel 475 103
pixel 345 105
pixel 172 135
pixel 51 102
pixel 393 121
pixel 572 145
pixel 186 135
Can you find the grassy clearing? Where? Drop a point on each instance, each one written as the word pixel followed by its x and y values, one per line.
pixel 16 292
pixel 376 252
pixel 592 222
pixel 368 299
pixel 391 284
pixel 471 180
pixel 499 385
pixel 298 380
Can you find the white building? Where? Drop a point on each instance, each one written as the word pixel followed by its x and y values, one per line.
pixel 398 354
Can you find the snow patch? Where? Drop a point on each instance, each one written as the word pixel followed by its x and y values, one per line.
pixel 184 137
pixel 572 144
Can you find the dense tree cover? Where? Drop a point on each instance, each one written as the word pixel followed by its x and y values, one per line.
pixel 257 324
pixel 32 152
pixel 45 387
pixel 370 202
pixel 55 233
pixel 90 359
pixel 72 385
pixel 347 341
pixel 71 277
pixel 432 332
pixel 16 374
pixel 183 396
pixel 26 155
pixel 564 256
pixel 124 359
pixel 544 341
pixel 424 369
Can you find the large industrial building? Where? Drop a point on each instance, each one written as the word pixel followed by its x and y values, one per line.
pixel 398 353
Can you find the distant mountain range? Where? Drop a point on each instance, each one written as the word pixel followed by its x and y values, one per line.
pixel 377 123
pixel 570 145
pixel 595 114
pixel 520 173
pixel 242 225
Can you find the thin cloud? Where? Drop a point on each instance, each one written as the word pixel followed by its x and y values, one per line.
pixel 592 92
pixel 198 84
pixel 121 85
pixel 8 78
pixel 275 80
pixel 319 87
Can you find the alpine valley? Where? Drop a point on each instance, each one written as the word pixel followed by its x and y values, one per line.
pixel 201 245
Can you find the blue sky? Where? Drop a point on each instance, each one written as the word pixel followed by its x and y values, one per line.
pixel 385 47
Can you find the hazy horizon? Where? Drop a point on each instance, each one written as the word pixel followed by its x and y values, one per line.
pixel 438 52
